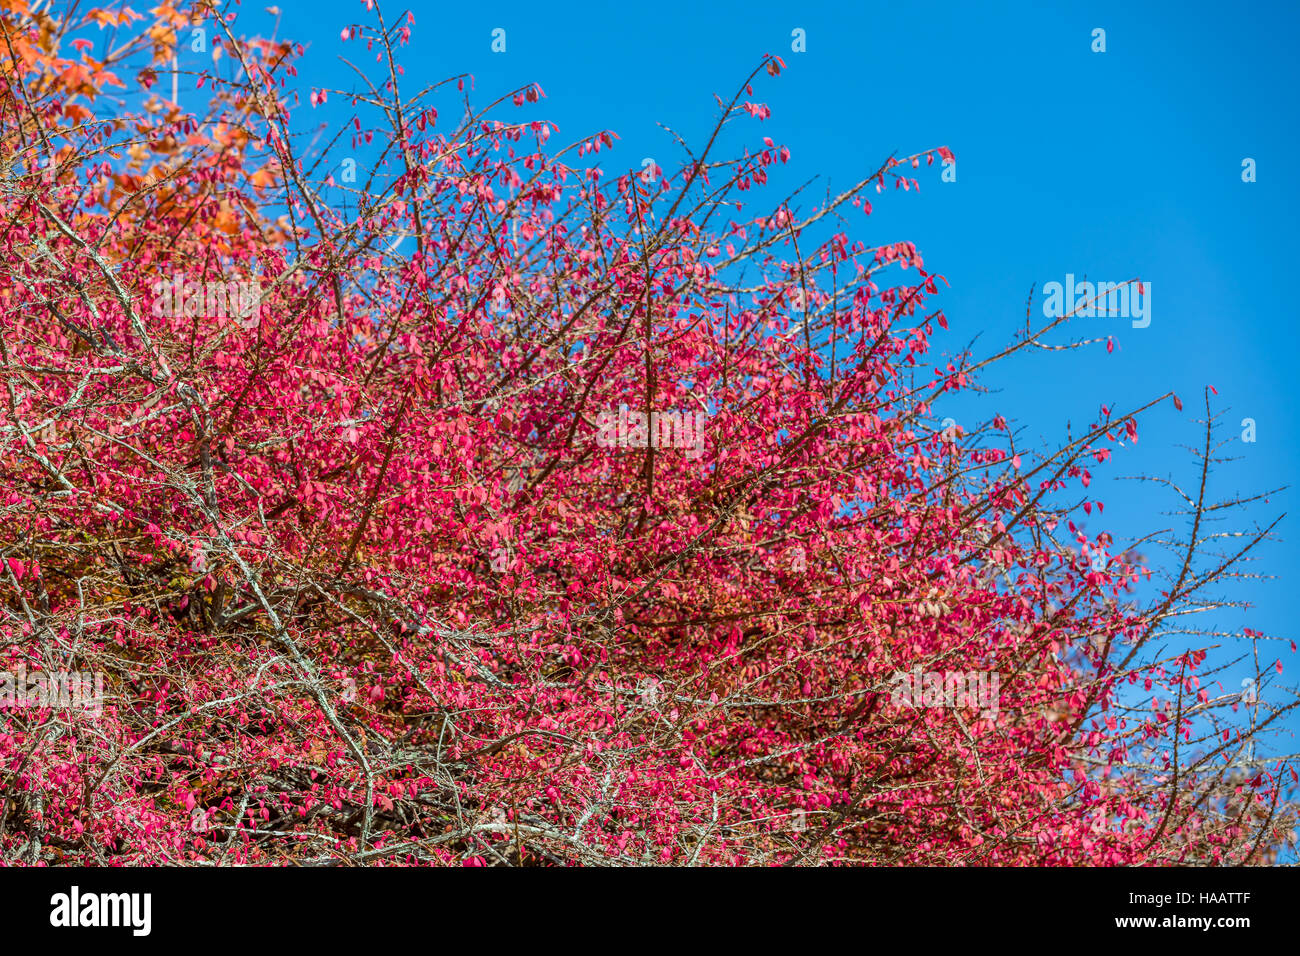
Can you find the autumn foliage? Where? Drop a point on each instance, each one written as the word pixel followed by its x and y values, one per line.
pixel 364 587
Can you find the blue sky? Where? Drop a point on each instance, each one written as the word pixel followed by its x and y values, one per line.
pixel 1116 165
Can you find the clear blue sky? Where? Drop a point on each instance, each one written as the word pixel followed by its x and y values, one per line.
pixel 1120 164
